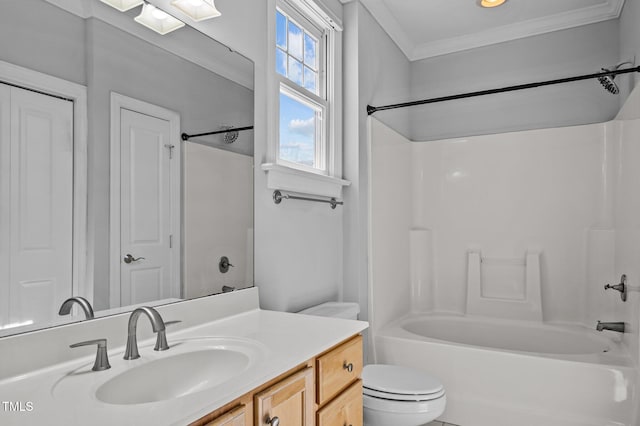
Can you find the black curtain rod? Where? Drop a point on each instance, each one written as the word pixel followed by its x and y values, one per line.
pixel 186 137
pixel 372 109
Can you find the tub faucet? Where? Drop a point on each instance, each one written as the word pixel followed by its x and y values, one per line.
pixel 613 326
pixel 65 309
pixel 158 326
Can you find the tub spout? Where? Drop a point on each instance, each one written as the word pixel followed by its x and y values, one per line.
pixel 613 326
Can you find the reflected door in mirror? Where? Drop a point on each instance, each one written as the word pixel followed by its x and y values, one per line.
pixel 147 156
pixel 36 195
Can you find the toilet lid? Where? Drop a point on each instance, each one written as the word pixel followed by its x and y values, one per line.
pixel 394 379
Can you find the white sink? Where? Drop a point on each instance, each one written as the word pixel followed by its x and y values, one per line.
pixel 202 364
pixel 189 366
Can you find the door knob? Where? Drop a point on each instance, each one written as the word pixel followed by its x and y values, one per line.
pixel 128 259
pixel 272 421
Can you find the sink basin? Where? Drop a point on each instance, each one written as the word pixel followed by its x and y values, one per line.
pixel 197 367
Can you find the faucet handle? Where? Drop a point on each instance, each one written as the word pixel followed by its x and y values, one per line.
pixel 172 322
pixel 102 359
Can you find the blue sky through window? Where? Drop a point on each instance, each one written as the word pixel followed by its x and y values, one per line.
pixel 297 60
pixel 297 131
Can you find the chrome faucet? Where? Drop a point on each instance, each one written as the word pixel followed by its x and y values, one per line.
pixel 158 326
pixel 613 326
pixel 65 309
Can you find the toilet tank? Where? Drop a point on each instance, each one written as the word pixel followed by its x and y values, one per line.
pixel 335 310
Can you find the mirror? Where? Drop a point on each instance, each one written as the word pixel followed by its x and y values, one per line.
pixel 99 196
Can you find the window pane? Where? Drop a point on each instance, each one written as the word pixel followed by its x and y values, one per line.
pixel 295 71
pixel 310 80
pixel 281 62
pixel 281 30
pixel 295 40
pixel 297 131
pixel 310 52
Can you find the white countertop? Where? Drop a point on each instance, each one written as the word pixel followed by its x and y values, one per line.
pixel 64 394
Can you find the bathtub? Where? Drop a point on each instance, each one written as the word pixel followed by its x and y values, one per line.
pixel 510 373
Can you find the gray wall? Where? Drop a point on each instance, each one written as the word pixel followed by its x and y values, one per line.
pixel 575 51
pixel 41 37
pixel 376 72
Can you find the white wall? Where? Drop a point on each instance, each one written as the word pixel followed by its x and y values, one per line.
pixel 507 193
pixel 576 51
pixel 218 219
pixel 376 70
pixel 391 217
pixel 629 44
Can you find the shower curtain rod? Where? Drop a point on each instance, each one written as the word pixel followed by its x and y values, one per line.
pixel 186 137
pixel 373 109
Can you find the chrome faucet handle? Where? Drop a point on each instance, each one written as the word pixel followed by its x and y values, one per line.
pixel 622 287
pixel 102 359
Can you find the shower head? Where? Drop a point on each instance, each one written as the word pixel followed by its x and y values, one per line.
pixel 608 82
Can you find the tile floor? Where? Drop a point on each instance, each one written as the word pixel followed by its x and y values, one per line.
pixel 437 423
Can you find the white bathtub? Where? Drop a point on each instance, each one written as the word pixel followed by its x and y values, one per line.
pixel 516 373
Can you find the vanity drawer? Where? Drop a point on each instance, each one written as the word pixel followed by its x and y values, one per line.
pixel 235 417
pixel 346 409
pixel 338 368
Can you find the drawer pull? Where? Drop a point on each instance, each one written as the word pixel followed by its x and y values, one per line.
pixel 348 367
pixel 272 421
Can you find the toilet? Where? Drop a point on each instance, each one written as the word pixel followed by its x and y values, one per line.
pixel 392 394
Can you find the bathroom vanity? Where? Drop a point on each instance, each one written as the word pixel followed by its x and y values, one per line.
pixel 229 363
pixel 326 390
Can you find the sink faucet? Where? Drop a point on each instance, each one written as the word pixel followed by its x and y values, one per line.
pixel 65 309
pixel 613 326
pixel 158 326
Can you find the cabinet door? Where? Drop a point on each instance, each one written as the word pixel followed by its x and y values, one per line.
pixel 346 409
pixel 288 402
pixel 338 369
pixel 235 417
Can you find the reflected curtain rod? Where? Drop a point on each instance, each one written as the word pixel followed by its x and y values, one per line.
pixel 373 109
pixel 186 137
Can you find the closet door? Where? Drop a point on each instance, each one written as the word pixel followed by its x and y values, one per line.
pixel 40 199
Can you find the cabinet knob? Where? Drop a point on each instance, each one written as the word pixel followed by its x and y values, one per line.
pixel 272 421
pixel 348 367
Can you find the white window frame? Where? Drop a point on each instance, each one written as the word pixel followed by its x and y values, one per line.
pixel 282 174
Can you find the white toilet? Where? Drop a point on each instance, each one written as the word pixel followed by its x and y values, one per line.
pixel 392 395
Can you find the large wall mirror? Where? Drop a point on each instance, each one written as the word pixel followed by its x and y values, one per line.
pixel 100 196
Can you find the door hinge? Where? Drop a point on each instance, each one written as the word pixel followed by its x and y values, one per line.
pixel 170 241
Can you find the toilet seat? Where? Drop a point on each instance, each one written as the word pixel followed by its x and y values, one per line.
pixel 401 397
pixel 397 383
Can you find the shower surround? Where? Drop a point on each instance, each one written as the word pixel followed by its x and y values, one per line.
pixel 569 195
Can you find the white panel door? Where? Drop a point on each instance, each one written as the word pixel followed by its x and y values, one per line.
pixel 145 204
pixel 40 199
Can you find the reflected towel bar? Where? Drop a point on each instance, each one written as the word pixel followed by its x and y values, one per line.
pixel 278 196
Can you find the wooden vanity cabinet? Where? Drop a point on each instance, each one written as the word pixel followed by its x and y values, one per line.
pixel 288 402
pixel 325 391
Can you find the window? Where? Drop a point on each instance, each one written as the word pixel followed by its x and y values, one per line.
pixel 304 139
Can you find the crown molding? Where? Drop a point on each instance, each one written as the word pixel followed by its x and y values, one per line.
pixel 561 21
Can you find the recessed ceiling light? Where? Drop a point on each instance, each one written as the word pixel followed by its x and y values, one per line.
pixel 198 10
pixel 158 20
pixel 491 3
pixel 123 5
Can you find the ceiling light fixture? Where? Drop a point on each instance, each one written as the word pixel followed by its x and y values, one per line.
pixel 123 5
pixel 158 20
pixel 491 3
pixel 198 10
